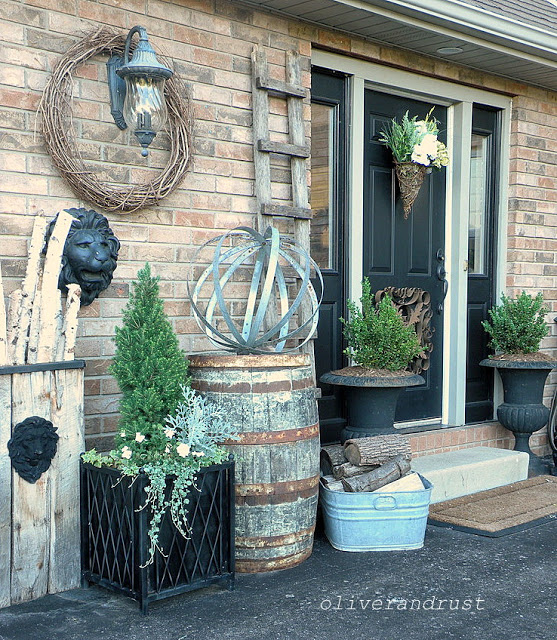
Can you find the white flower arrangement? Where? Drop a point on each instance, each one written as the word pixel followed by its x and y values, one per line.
pixel 413 140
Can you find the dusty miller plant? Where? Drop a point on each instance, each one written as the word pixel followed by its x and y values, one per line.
pixel 517 325
pixel 377 335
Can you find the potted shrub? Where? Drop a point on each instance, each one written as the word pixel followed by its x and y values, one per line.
pixel 382 346
pixel 517 327
pixel 157 509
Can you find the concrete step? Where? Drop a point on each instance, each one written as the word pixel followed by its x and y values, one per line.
pixel 460 473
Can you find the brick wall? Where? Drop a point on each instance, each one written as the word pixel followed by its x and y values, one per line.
pixel 209 42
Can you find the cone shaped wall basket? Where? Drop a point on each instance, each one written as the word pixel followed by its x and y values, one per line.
pixel 410 178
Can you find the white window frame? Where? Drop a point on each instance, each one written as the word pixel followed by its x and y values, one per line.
pixel 459 101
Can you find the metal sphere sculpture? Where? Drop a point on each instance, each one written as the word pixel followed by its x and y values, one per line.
pixel 275 274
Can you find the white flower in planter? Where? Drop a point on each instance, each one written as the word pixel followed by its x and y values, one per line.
pixel 183 449
pixel 126 453
pixel 139 437
pixel 169 433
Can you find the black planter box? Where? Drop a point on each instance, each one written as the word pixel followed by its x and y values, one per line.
pixel 115 544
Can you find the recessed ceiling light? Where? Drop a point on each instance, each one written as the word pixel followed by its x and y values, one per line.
pixel 449 51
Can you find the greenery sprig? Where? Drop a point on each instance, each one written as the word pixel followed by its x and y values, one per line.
pixel 413 140
pixel 377 335
pixel 517 325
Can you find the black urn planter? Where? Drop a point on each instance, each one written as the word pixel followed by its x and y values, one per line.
pixel 522 410
pixel 115 542
pixel 371 401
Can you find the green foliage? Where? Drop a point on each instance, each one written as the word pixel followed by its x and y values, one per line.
pixel 413 140
pixel 188 441
pixel 165 428
pixel 378 337
pixel 149 366
pixel 517 325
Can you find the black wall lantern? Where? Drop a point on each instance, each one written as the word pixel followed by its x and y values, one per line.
pixel 137 89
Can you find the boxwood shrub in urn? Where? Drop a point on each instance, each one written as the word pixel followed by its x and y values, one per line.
pixel 517 327
pixel 156 510
pixel 382 346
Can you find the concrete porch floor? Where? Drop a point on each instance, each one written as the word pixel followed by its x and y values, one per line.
pixel 497 588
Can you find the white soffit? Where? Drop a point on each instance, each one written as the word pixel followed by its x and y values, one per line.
pixel 490 41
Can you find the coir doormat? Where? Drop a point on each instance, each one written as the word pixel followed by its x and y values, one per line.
pixel 500 511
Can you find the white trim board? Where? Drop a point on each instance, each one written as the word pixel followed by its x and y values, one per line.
pixel 459 100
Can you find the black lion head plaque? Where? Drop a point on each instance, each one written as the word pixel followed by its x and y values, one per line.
pixel 90 254
pixel 32 447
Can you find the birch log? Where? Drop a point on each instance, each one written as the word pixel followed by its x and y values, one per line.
pixel 3 328
pixel 51 298
pixel 69 331
pixel 34 329
pixel 29 287
pixel 376 450
pixel 13 322
pixel 388 472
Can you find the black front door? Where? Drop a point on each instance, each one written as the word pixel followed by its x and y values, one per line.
pixel 481 259
pixel 406 253
pixel 328 194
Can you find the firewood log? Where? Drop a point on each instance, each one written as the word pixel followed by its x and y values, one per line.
pixel 376 449
pixel 388 472
pixel 332 455
pixel 331 483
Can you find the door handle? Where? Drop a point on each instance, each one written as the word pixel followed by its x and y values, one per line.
pixel 442 276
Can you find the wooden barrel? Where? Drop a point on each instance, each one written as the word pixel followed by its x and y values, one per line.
pixel 271 400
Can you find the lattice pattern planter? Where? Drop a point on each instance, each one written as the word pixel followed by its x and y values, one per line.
pixel 115 543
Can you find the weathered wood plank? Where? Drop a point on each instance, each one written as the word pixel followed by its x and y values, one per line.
pixel 262 161
pixel 5 489
pixel 67 416
pixel 285 211
pixel 34 329
pixel 30 502
pixel 283 88
pixel 284 148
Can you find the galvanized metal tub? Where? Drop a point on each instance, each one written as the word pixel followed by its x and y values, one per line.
pixel 370 521
pixel 271 400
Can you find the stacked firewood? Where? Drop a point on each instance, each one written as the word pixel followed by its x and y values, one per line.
pixel 35 329
pixel 368 464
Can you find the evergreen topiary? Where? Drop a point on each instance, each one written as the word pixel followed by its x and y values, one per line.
pixel 378 337
pixel 166 429
pixel 517 325
pixel 149 365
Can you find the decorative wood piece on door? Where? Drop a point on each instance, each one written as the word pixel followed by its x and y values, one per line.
pixel 414 304
pixel 296 149
pixel 39 523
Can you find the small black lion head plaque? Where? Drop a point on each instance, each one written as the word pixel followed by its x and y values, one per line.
pixel 32 447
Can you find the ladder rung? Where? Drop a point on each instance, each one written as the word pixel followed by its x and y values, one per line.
pixel 284 148
pixel 276 86
pixel 286 211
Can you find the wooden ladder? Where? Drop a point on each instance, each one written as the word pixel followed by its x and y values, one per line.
pixel 296 149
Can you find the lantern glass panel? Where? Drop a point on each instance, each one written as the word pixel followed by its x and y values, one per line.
pixel 144 105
